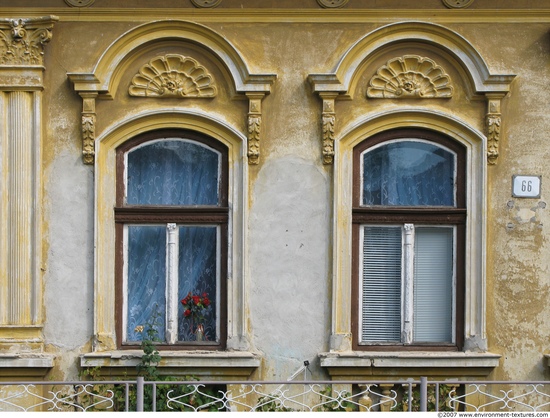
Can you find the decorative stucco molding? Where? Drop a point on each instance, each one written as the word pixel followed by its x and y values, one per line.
pixel 206 3
pixel 254 127
pixel 88 138
pixel 328 120
pixel 493 121
pixel 173 75
pixel 328 4
pixel 342 82
pixel 457 4
pixel 88 127
pixel 22 40
pixel 410 76
pixel 104 81
pixel 79 3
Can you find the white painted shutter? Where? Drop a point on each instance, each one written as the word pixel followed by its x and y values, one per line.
pixel 433 285
pixel 381 284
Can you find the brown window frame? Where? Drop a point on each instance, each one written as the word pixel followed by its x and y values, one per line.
pixel 385 215
pixel 188 215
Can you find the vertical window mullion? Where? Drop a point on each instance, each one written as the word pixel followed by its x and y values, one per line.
pixel 455 285
pixel 125 283
pixel 218 279
pixel 171 283
pixel 408 287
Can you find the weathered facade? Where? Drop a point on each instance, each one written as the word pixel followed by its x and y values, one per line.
pixel 289 109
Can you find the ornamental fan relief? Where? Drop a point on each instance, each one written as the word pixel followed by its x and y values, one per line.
pixel 408 77
pixel 173 76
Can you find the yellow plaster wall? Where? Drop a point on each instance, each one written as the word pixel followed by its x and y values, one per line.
pixel 293 44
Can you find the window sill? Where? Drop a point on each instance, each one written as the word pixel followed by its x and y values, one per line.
pixel 31 365
pixel 358 365
pixel 207 365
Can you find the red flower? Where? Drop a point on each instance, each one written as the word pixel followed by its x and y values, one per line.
pixel 196 299
pixel 187 313
pixel 205 301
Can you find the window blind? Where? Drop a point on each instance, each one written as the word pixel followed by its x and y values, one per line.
pixel 381 284
pixel 433 284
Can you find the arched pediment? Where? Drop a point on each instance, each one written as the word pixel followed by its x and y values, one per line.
pixel 104 77
pixel 170 76
pixel 397 79
pixel 481 81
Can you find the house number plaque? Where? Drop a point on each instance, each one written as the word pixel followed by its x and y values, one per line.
pixel 526 186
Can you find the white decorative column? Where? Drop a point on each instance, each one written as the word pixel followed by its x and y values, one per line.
pixel 22 44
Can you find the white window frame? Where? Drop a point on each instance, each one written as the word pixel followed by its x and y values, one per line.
pixel 172 281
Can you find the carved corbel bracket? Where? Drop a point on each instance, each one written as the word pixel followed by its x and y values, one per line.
pixel 254 126
pixel 88 127
pixel 328 119
pixel 493 121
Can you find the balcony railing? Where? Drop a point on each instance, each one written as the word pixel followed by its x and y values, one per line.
pixel 311 396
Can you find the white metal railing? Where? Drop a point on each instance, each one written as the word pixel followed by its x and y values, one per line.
pixel 410 395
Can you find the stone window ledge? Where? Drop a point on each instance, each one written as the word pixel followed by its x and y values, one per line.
pixel 23 365
pixel 358 365
pixel 207 365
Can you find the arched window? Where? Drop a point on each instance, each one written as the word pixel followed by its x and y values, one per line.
pixel 409 214
pixel 171 232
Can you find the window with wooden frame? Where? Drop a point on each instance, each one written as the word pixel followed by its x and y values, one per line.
pixel 171 219
pixel 409 215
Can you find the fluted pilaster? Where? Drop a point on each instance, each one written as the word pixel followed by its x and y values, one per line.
pixel 21 202
pixel 22 43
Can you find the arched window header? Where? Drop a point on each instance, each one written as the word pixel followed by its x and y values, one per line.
pixel 407 168
pixel 341 82
pixel 173 172
pixel 134 45
pixel 408 172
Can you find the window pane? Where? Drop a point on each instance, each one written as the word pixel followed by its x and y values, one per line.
pixel 433 285
pixel 198 274
pixel 408 173
pixel 173 172
pixel 381 285
pixel 146 279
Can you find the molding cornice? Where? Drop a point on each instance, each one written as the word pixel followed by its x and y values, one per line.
pixel 104 77
pixel 22 41
pixel 480 80
pixel 298 15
